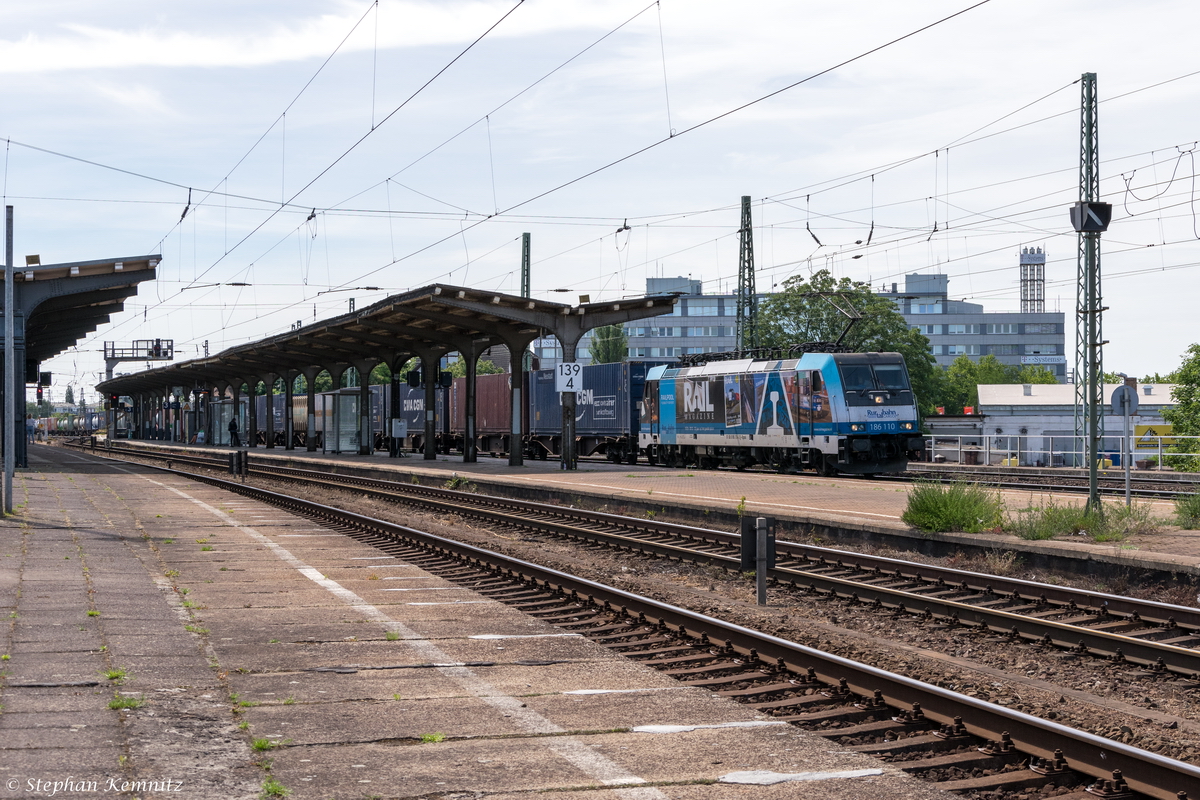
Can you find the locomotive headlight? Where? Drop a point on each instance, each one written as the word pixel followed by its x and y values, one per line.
pixel 857 427
pixel 908 426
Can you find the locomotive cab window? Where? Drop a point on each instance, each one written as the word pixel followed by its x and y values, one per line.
pixel 867 383
pixel 857 377
pixel 891 377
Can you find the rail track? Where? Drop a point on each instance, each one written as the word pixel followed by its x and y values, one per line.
pixel 1153 638
pixel 965 744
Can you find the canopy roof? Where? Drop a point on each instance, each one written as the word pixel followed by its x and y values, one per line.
pixel 433 320
pixel 63 303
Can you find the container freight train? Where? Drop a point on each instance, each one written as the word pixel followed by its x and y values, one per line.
pixel 834 413
pixel 607 415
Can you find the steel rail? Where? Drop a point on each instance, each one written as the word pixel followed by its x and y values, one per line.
pixel 1151 774
pixel 558 520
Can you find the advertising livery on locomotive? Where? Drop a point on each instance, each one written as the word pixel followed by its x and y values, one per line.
pixel 832 412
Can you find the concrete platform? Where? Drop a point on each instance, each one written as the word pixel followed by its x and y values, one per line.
pixel 853 509
pixel 112 591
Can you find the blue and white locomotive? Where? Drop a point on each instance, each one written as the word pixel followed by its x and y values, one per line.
pixel 833 412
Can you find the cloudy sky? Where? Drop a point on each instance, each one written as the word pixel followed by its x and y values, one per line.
pixel 336 145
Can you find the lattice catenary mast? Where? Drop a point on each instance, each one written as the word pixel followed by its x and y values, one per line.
pixel 1089 217
pixel 747 297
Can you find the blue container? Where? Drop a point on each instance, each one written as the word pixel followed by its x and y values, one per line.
pixel 412 408
pixel 607 405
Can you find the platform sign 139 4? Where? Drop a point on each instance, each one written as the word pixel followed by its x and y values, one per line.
pixel 568 377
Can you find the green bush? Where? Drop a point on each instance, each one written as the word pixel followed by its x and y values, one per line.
pixel 957 506
pixel 1045 522
pixel 1119 522
pixel 1187 511
pixel 1116 524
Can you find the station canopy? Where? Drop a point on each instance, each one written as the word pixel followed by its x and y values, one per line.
pixel 63 303
pixel 433 320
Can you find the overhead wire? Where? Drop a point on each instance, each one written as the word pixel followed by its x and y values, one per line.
pixel 366 135
pixel 1023 126
pixel 704 123
pixel 692 128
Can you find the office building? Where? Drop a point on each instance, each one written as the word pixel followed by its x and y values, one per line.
pixel 699 323
pixel 958 328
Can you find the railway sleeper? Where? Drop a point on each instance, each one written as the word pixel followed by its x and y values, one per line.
pixel 755 691
pixel 1015 779
pixel 967 761
pixel 684 674
pixel 924 743
pixel 886 730
pixel 660 663
pixel 844 715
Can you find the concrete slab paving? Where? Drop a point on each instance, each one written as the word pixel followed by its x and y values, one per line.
pixel 79 700
pixel 510 679
pixel 630 709
pixel 375 721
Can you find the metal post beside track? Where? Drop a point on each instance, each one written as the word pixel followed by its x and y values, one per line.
pixel 760 571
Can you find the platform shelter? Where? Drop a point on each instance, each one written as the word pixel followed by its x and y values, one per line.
pixel 426 323
pixel 56 305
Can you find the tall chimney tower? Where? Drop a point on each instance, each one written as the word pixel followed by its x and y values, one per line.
pixel 1033 281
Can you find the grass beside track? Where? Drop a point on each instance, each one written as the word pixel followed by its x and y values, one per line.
pixel 956 506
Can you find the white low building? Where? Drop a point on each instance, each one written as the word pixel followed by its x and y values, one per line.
pixel 1035 425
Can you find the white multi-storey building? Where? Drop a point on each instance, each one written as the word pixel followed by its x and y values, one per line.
pixel 958 328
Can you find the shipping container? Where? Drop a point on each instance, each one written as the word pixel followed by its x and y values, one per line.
pixel 412 411
pixel 606 411
pixel 493 411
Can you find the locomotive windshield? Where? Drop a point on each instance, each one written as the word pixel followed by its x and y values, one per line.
pixel 867 381
pixel 857 377
pixel 891 377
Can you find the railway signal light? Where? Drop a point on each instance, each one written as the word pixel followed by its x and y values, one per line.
pixel 39 394
pixel 414 378
pixel 1090 217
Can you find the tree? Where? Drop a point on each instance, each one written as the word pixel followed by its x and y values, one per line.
pixel 1035 373
pixel 70 396
pixel 794 316
pixel 482 367
pixel 381 375
pixel 609 344
pixel 1184 416
pixel 964 377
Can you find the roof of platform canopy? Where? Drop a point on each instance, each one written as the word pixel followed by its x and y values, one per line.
pixel 436 319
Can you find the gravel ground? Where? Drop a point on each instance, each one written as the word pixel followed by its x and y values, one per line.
pixel 1160 714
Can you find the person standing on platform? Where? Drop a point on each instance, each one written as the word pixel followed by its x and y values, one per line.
pixel 234 439
pixel 30 428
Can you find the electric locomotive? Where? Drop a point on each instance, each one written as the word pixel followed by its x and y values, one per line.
pixel 833 412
